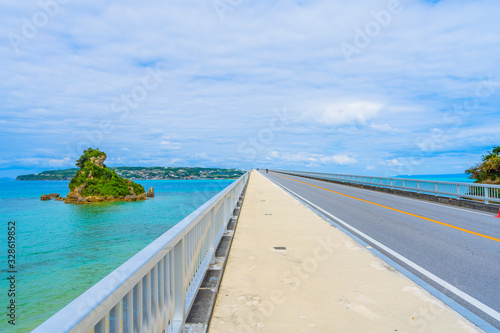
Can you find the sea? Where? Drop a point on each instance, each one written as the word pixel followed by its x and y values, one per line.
pixel 61 249
pixel 459 177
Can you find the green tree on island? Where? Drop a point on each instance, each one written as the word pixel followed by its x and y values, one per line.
pixel 487 172
pixel 87 155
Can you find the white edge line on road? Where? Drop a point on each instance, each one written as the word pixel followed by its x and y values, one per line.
pixel 466 297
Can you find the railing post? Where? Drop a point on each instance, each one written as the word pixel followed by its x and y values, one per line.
pixel 101 326
pixel 435 189
pixel 179 288
pixel 418 186
pixel 486 194
pixel 128 313
pixel 161 295
pixel 146 303
pixel 114 319
pixel 155 293
pixel 138 307
pixel 391 184
pixel 213 235
pixel 224 210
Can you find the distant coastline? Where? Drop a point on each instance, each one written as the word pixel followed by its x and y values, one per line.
pixel 144 173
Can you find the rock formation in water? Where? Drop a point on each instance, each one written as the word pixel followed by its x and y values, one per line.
pixel 45 197
pixel 151 193
pixel 95 182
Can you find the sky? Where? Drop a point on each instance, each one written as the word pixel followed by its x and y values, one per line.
pixel 399 87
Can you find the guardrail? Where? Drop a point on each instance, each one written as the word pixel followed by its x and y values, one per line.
pixel 154 290
pixel 473 191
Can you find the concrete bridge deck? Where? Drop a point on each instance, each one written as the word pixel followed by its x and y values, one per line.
pixel 289 270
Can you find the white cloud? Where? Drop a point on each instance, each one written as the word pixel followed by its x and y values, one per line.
pixel 338 159
pixel 293 157
pixel 336 114
pixel 312 158
pixel 63 162
pixel 169 145
pixel 202 156
pixel 393 162
pixel 174 161
pixel 384 128
pixel 274 154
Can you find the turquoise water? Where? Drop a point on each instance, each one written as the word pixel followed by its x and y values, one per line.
pixel 446 178
pixel 63 249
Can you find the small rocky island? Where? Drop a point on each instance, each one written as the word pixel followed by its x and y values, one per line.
pixel 95 182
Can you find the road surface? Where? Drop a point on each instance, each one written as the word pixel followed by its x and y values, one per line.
pixel 459 247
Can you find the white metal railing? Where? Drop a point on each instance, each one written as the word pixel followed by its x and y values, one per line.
pixel 154 290
pixel 484 192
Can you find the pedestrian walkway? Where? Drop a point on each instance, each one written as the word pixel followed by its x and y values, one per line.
pixel 291 271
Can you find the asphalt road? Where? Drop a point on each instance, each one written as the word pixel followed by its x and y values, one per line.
pixel 467 259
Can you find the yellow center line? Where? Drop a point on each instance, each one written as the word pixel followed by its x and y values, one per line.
pixel 394 209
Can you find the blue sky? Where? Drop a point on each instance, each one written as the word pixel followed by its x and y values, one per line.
pixel 363 87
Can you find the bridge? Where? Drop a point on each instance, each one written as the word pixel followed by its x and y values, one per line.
pixel 289 251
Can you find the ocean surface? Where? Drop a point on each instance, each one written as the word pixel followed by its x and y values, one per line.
pixel 64 249
pixel 460 177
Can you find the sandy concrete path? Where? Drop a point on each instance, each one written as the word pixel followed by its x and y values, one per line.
pixel 322 282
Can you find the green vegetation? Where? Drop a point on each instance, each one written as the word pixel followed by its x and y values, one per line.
pixel 95 180
pixel 66 174
pixel 87 154
pixel 488 171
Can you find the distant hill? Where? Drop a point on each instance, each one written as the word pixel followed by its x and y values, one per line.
pixel 66 174
pixel 145 173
